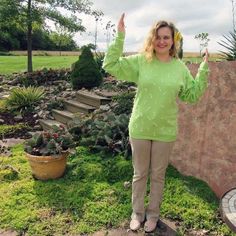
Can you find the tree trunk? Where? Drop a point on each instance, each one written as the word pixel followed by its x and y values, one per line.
pixel 29 37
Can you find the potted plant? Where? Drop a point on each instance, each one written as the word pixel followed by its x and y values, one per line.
pixel 47 152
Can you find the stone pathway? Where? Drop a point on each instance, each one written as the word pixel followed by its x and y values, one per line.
pixel 228 208
pixel 164 228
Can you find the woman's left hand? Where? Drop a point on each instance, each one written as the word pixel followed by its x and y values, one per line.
pixel 206 56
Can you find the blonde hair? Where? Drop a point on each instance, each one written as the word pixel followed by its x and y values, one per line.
pixel 148 48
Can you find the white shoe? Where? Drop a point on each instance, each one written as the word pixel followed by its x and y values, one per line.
pixel 135 225
pixel 150 225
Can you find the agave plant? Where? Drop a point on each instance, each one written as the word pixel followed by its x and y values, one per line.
pixel 24 98
pixel 230 45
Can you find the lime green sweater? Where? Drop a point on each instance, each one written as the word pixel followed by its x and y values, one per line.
pixel 154 114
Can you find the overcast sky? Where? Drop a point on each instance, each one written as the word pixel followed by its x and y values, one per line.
pixel 191 17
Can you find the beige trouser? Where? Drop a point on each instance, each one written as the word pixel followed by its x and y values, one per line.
pixel 148 157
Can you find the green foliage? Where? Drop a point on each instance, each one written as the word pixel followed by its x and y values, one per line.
pixel 91 197
pixel 124 103
pixel 180 51
pixel 106 133
pixel 51 142
pixel 10 129
pixel 55 104
pixel 3 106
pixel 85 72
pixel 99 60
pixel 230 46
pixel 24 99
pixel 63 39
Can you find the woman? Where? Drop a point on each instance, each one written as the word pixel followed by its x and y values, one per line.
pixel 160 77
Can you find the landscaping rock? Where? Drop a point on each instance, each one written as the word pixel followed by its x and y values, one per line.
pixel 18 118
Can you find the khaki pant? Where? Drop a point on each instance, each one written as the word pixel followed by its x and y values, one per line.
pixel 148 157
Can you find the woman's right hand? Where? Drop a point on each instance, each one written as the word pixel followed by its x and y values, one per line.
pixel 121 24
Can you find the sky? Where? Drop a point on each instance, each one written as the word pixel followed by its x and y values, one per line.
pixel 191 17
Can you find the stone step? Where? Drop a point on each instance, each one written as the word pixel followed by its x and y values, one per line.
pixel 63 116
pixel 91 99
pixel 75 106
pixel 47 124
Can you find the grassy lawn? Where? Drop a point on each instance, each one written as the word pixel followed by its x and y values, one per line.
pixel 11 64
pixel 91 196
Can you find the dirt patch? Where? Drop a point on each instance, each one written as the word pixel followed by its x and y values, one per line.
pixel 27 119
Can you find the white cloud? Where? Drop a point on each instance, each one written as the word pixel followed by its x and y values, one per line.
pixel 191 17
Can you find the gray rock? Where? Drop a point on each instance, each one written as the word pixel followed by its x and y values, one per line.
pixel 18 118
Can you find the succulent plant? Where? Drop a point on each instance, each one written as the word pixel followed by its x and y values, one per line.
pixel 50 142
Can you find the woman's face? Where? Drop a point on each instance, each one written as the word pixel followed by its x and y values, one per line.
pixel 163 41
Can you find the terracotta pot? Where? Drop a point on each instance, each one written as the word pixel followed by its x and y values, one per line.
pixel 47 167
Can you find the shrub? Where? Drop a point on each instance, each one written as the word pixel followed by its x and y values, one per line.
pixel 230 45
pixel 22 99
pixel 85 72
pixel 99 60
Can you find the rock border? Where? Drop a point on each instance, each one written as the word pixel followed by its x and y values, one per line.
pixel 228 208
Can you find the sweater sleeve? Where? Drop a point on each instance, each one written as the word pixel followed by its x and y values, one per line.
pixel 193 89
pixel 123 68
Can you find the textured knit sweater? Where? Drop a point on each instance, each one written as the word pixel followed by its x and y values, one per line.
pixel 159 84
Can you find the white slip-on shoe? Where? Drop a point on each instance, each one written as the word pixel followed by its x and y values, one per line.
pixel 150 225
pixel 135 225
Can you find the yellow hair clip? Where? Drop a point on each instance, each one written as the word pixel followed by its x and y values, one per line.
pixel 177 36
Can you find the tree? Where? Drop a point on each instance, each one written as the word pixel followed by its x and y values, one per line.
pixel 109 31
pixel 30 12
pixel 62 38
pixel 203 40
pixel 97 16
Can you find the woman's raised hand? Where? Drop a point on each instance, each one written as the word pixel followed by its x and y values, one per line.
pixel 121 24
pixel 206 56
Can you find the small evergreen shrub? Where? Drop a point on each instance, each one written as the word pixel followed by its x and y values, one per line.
pixel 85 73
pixel 99 60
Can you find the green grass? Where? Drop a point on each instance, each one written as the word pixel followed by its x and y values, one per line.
pixel 91 196
pixel 11 64
pixel 7 129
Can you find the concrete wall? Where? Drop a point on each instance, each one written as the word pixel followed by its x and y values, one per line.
pixel 206 143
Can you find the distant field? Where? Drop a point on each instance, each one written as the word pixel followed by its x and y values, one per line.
pixel 51 59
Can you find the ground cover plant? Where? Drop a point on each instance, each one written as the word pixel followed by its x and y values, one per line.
pixel 92 196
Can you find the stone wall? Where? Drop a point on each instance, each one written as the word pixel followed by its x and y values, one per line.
pixel 206 144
